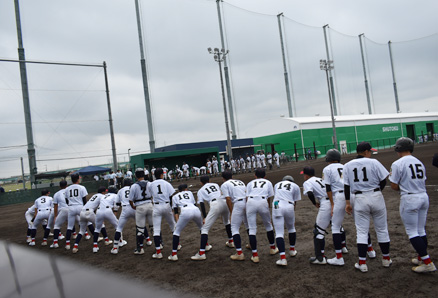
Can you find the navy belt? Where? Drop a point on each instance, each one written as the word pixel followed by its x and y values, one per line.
pixel 185 206
pixel 359 192
pixel 43 209
pixel 145 199
pixel 157 203
pixel 290 202
pixel 87 209
pixel 260 197
pixel 239 200
pixel 341 191
pixel 213 200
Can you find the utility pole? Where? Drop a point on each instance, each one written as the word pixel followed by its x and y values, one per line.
pixel 286 75
pixel 26 104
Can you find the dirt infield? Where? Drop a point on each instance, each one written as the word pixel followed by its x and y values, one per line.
pixel 218 276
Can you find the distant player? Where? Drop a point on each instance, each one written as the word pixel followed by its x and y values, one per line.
pixel 259 193
pixel 60 206
pixel 105 213
pixel 185 202
pixel 332 176
pixel 315 189
pixel 287 193
pixel 365 178
pixel 408 175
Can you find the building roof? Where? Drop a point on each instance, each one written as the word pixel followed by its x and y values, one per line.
pixel 283 124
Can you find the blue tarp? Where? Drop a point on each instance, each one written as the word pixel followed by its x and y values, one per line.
pixel 90 170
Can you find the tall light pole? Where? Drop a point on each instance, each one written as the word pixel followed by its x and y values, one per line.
pixel 219 57
pixel 327 66
pixel 129 157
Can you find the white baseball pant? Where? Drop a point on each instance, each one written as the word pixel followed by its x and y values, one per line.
pixel 143 213
pixel 188 214
pixel 217 207
pixel 85 217
pixel 260 206
pixel 161 210
pixel 285 213
pixel 413 212
pixel 127 213
pixel 238 216
pixel 338 212
pixel 105 214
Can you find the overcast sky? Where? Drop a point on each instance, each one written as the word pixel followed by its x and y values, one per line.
pixel 68 104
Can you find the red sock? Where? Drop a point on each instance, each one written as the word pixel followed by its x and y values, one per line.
pixel 255 254
pixel 158 251
pixel 370 248
pixel 272 246
pixel 362 262
pixel 201 252
pixel 386 258
pixel 283 257
pixel 173 253
pixel 339 255
pixel 427 261
pixel 239 252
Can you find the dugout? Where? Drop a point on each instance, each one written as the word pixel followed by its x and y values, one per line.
pixel 316 133
pixel 193 157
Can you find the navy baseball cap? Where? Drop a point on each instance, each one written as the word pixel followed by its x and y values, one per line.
pixel 308 170
pixel 364 146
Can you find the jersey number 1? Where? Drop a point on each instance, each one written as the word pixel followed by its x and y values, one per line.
pixel 356 178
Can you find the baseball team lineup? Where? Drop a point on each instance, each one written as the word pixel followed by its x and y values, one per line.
pixel 354 188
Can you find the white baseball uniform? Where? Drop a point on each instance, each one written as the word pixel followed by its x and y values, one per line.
pixel 410 175
pixel 258 192
pixel 283 210
pixel 43 205
pixel 316 185
pixel 189 211
pixel 74 194
pixel 161 192
pixel 363 175
pixel 105 212
pixel 141 197
pixel 211 193
pixel 87 213
pixel 332 175
pixel 127 211
pixel 236 191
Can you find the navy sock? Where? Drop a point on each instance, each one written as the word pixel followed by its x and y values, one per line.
pixel 280 244
pixel 271 237
pixel 228 229
pixel 95 237
pixel 68 235
pixel 28 232
pixel 157 241
pixel 33 233
pixel 175 242
pixel 237 241
pixel 204 240
pixel 117 236
pixel 78 239
pixel 55 234
pixel 104 233
pixel 384 246
pixel 46 233
pixel 362 250
pixel 253 242
pixel 91 228
pixel 337 241
pixel 425 240
pixel 419 246
pixel 292 239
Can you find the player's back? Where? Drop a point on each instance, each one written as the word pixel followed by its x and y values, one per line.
pixel 123 195
pixel 59 198
pixel 161 190
pixel 235 189
pixel 315 185
pixel 74 194
pixel 209 192
pixel 43 202
pixel 260 187
pixel 287 191
pixel 332 175
pixel 93 202
pixel 183 199
pixel 108 201
pixel 364 174
pixel 410 174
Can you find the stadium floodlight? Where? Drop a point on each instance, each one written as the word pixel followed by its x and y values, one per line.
pixel 219 57
pixel 327 66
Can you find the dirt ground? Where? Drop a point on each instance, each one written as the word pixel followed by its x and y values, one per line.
pixel 218 276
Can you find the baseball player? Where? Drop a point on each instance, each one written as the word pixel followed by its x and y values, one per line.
pixel 43 206
pixel 408 175
pixel 141 201
pixel 76 195
pixel 235 195
pixel 128 212
pixel 29 214
pixel 277 159
pixel 196 171
pixel 287 193
pixel 185 202
pixel 215 165
pixel 105 212
pixel 186 173
pixel 269 159
pixel 211 193
pixel 60 211
pixel 315 189
pixel 248 162
pixel 87 214
pixel 161 192
pixel 366 178
pixel 259 193
pixel 334 184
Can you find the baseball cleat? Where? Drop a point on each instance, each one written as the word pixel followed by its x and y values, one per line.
pixel 315 261
pixel 293 253
pixel 161 246
pixel 386 263
pixel 281 262
pixel 74 236
pixel 87 237
pixel 28 240
pixel 362 268
pixel 115 250
pixel 273 251
pixel 44 243
pixel 345 250
pixel 54 245
pixel 179 247
pixel 99 239
pixel 32 243
pixel 255 259
pixel 208 247
pixel 50 234
pixel 237 257
pixel 95 249
pixel 108 242
pixel 199 257
pixel 67 247
pixel 74 250
pixel 123 243
pixel 139 252
pixel 157 256
pixel 335 261
pixel 173 258
pixel 248 246
pixel 417 262
pixel 149 243
pixel 371 254
pixel 61 237
pixel 229 244
pixel 423 268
